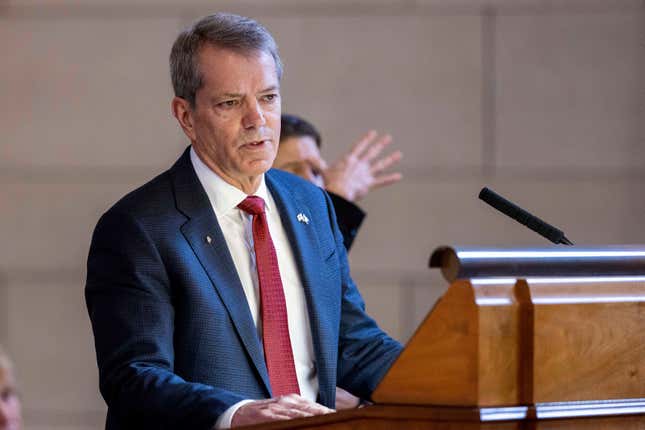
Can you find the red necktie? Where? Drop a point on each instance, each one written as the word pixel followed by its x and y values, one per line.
pixel 273 309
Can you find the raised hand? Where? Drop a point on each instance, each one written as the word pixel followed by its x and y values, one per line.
pixel 360 170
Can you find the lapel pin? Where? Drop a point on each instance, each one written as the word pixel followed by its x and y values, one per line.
pixel 208 239
pixel 302 218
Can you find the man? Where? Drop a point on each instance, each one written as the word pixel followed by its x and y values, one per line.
pixel 10 414
pixel 219 292
pixel 348 180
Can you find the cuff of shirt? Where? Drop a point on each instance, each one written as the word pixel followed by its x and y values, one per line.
pixel 224 420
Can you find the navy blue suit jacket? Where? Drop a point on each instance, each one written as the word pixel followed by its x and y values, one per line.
pixel 175 341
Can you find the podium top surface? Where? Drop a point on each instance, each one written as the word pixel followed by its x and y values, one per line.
pixel 473 262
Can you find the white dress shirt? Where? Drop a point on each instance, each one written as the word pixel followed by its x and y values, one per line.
pixel 237 229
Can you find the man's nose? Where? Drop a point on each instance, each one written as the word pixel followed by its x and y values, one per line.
pixel 253 116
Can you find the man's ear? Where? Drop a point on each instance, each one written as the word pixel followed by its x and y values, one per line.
pixel 183 112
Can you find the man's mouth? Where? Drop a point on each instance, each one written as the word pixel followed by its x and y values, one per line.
pixel 255 144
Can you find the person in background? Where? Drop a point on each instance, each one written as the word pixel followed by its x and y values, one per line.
pixel 346 181
pixel 10 413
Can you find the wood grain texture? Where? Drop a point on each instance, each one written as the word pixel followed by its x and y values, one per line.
pixel 589 341
pixel 536 341
pixel 498 344
pixel 439 364
pixel 466 352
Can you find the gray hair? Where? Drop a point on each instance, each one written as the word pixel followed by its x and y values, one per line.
pixel 224 30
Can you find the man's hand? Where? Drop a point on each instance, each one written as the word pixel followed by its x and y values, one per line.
pixel 278 408
pixel 359 171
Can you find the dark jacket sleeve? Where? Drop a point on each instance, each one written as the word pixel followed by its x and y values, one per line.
pixel 129 299
pixel 349 218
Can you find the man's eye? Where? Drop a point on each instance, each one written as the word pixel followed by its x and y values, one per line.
pixel 270 97
pixel 227 104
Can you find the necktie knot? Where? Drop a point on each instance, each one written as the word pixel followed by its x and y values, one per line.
pixel 252 205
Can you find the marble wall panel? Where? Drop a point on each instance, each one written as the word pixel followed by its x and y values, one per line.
pixel 49 226
pixel 52 345
pixel 570 90
pixel 87 92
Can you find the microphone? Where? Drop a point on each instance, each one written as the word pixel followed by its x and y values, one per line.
pixel 523 217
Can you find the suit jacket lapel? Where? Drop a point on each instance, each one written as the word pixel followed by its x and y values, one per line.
pixel 321 303
pixel 191 199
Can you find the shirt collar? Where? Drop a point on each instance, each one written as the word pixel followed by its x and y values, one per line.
pixel 223 196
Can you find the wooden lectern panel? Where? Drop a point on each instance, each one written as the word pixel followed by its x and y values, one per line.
pixel 465 353
pixel 524 351
pixel 507 342
pixel 589 339
pixel 442 367
pixel 499 318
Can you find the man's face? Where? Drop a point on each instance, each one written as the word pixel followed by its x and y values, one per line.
pixel 236 118
pixel 300 155
pixel 10 416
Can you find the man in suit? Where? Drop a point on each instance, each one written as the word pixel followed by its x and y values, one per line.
pixel 219 292
pixel 347 180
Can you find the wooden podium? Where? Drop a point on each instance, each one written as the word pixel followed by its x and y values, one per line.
pixel 549 338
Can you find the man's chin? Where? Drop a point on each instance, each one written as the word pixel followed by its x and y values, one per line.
pixel 259 167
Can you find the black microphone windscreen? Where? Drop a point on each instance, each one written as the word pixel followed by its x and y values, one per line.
pixel 523 217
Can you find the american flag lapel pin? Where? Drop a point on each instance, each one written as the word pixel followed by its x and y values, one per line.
pixel 302 218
